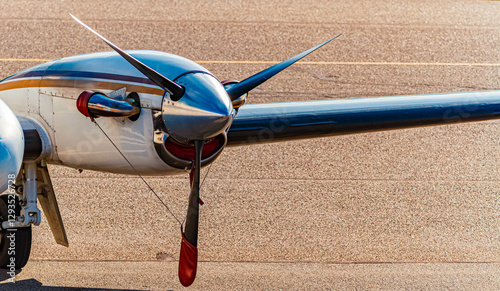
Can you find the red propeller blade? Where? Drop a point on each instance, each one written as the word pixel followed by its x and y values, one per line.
pixel 188 259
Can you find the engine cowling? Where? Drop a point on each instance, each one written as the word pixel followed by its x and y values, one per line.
pixel 11 146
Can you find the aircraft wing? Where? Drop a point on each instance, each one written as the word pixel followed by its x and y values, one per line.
pixel 272 122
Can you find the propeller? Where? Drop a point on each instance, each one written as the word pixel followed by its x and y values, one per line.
pixel 207 122
pixel 188 258
pixel 204 112
pixel 176 91
pixel 252 82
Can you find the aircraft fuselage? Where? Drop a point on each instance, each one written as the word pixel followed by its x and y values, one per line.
pixel 46 94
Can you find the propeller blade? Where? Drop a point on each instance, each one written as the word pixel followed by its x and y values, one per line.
pixel 188 259
pixel 250 83
pixel 176 91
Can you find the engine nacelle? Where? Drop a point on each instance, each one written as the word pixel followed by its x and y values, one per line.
pixel 11 146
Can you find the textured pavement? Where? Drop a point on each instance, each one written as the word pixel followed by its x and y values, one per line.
pixel 90 276
pixel 408 209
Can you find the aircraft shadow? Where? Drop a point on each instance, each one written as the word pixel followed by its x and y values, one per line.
pixel 4 274
pixel 32 284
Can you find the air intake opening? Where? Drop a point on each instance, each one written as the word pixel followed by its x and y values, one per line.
pixel 186 151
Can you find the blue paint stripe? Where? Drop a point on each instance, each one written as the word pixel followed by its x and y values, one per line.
pixel 80 74
pixel 27 74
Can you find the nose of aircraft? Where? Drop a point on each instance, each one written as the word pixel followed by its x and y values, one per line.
pixel 204 111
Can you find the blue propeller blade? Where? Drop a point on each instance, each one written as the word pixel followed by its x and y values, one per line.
pixel 166 84
pixel 250 83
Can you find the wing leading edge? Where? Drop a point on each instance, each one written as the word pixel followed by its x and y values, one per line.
pixel 273 122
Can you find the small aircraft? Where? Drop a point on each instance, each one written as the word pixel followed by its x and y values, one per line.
pixel 161 114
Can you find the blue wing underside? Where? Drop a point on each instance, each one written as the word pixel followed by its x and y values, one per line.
pixel 273 122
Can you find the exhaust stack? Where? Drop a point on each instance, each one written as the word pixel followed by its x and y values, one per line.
pixel 95 104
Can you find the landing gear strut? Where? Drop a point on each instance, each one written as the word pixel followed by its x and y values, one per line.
pixel 19 211
pixel 17 216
